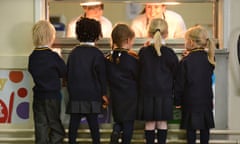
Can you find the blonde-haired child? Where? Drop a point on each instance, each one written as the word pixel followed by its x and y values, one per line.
pixel 46 68
pixel 193 86
pixel 158 64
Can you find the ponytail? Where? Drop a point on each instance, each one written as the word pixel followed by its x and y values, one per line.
pixel 211 51
pixel 157 30
pixel 157 38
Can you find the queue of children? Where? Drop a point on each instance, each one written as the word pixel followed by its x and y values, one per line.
pixel 142 86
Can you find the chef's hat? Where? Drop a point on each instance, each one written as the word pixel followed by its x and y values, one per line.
pixel 90 2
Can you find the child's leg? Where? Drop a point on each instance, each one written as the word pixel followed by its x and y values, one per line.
pixel 162 132
pixel 57 133
pixel 204 136
pixel 40 122
pixel 191 136
pixel 127 132
pixel 73 127
pixel 150 132
pixel 115 133
pixel 94 127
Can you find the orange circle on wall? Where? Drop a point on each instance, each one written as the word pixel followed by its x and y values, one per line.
pixel 16 76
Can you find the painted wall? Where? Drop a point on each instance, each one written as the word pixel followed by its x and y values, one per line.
pixel 17 18
pixel 15 32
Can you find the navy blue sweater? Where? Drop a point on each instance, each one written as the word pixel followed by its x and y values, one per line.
pixel 123 84
pixel 193 88
pixel 157 73
pixel 46 68
pixel 86 76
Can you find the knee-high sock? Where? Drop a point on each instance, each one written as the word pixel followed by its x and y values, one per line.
pixel 150 136
pixel 161 136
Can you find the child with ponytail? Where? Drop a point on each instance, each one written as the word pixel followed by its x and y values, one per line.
pixel 158 64
pixel 122 74
pixel 193 86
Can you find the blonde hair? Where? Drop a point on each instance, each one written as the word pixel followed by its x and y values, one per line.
pixel 157 28
pixel 43 33
pixel 200 37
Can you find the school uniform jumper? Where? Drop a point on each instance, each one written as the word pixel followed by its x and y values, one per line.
pixel 122 74
pixel 156 82
pixel 46 68
pixel 86 83
pixel 193 91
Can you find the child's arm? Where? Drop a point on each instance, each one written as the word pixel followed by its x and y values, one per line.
pixel 178 107
pixel 105 101
pixel 179 85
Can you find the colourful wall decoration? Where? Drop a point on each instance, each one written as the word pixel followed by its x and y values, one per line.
pixel 14 96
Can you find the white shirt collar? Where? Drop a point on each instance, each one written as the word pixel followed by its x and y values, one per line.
pixel 42 46
pixel 87 43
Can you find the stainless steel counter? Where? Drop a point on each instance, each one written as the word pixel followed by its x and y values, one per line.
pixel 66 44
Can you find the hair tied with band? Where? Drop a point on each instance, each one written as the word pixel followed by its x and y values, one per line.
pixel 117 59
pixel 110 56
pixel 157 30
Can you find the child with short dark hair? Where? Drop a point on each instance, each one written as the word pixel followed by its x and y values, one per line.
pixel 122 73
pixel 46 68
pixel 193 88
pixel 158 64
pixel 86 80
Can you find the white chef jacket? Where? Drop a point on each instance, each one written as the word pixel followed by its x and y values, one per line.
pixel 176 25
pixel 106 26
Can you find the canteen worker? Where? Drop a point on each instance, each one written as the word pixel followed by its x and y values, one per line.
pixel 93 10
pixel 176 25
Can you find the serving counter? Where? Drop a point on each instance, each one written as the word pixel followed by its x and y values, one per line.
pixel 67 44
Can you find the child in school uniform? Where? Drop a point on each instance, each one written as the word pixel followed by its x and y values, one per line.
pixel 158 64
pixel 193 87
pixel 86 80
pixel 122 73
pixel 47 68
